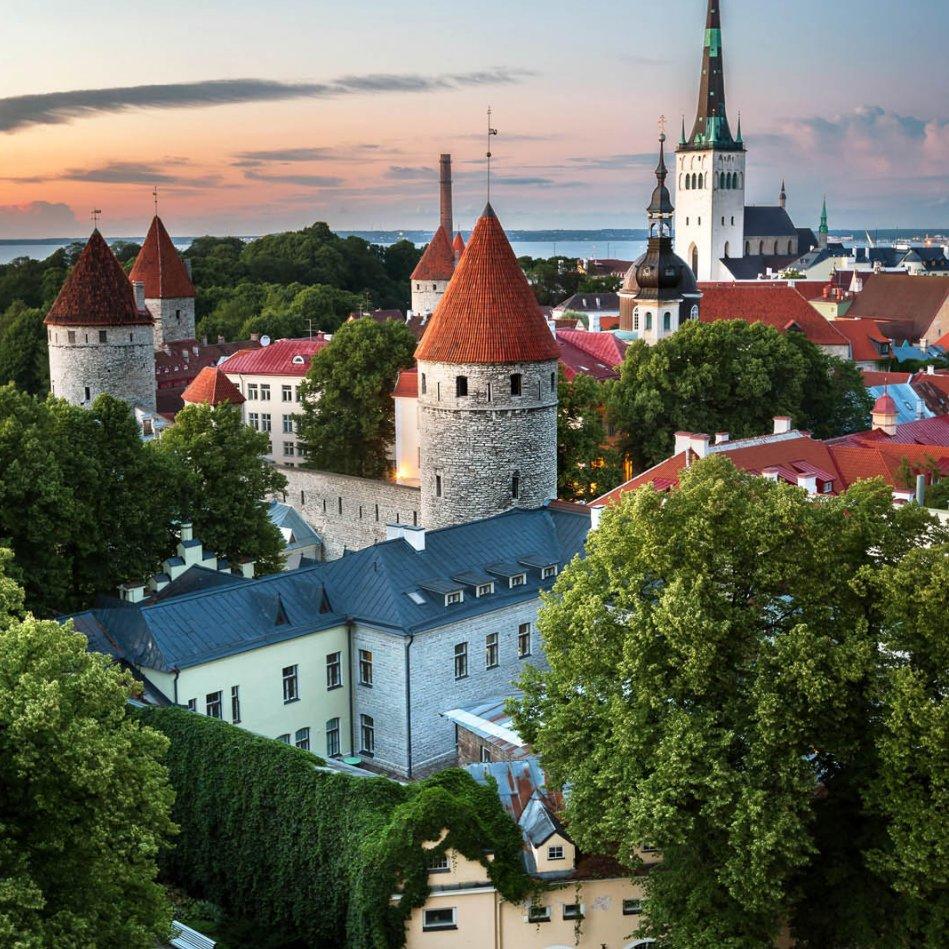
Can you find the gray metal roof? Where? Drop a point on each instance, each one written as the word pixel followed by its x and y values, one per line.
pixel 768 221
pixel 297 534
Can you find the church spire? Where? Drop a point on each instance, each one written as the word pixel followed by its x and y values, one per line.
pixel 783 196
pixel 823 232
pixel 711 122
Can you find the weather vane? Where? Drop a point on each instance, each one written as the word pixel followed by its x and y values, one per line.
pixel 155 199
pixel 662 125
pixel 491 131
pixel 95 217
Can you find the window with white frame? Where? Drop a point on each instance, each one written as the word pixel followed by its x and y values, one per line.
pixel 251 391
pixel 291 684
pixel 632 907
pixel 253 420
pixel 555 852
pixel 518 580
pixel 302 739
pixel 439 919
pixel 548 572
pixel 456 596
pixel 213 704
pixel 484 589
pixel 439 864
pixel 288 425
pixel 491 651
pixel 523 640
pixel 573 911
pixel 486 757
pixel 367 734
pixel 461 661
pixel 334 670
pixel 264 392
pixel 289 449
pixel 285 738
pixel 365 667
pixel 332 737
pixel 286 393
pixel 192 705
pixel 538 914
pixel 266 424
pixel 235 704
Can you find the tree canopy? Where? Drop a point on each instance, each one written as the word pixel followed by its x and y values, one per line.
pixel 754 682
pixel 24 356
pixel 348 419
pixel 732 377
pixel 84 797
pixel 225 482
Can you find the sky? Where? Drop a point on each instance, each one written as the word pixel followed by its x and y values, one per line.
pixel 252 117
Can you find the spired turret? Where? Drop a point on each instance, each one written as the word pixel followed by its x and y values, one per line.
pixel 101 337
pixel 487 390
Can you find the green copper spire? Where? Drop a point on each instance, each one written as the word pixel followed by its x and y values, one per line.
pixel 682 140
pixel 823 218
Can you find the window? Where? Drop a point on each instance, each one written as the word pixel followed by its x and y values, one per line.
pixel 334 671
pixel 288 449
pixel 423 384
pixel 253 420
pixel 632 907
pixel 302 739
pixel 518 580
pixel 461 386
pixel 437 919
pixel 636 320
pixel 516 380
pixel 484 589
pixel 213 704
pixel 667 319
pixel 553 382
pixel 192 705
pixel 456 596
pixel 649 848
pixel 288 425
pixel 365 667
pixel 332 738
pixel 286 393
pixel 485 756
pixel 265 423
pixel 648 325
pixel 367 734
pixel 264 392
pixel 694 314
pixel 178 315
pixel 252 391
pixel 491 651
pixel 103 336
pixel 291 686
pixel 285 738
pixel 87 393
pixel 461 661
pixel 439 864
pixel 555 852
pixel 523 640
pixel 548 572
pixel 236 704
pixel 572 911
pixel 539 914
pixel 438 486
pixel 516 485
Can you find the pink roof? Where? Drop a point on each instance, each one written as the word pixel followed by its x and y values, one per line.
pixel 595 354
pixel 885 405
pixel 285 357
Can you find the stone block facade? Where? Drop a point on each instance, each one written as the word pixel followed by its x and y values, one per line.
pixel 426 294
pixel 174 319
pixel 488 439
pixel 349 513
pixel 85 361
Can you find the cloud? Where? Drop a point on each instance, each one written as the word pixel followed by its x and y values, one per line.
pixel 56 108
pixel 532 182
pixel 616 162
pixel 412 173
pixel 305 181
pixel 281 156
pixel 38 219
pixel 125 173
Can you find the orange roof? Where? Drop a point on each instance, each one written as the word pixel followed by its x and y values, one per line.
pixel 212 387
pixel 776 304
pixel 872 377
pixel 458 246
pixel 406 385
pixel 911 304
pixel 438 261
pixel 97 292
pixel 885 405
pixel 488 313
pixel 160 268
pixel 865 338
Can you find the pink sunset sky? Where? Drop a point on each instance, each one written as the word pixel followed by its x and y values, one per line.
pixel 255 117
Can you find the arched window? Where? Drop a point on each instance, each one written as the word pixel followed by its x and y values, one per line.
pixel 701 181
pixel 688 184
pixel 636 321
pixel 747 248
pixel 727 249
pixel 790 248
pixel 667 322
pixel 694 314
pixel 695 180
pixel 695 260
pixel 722 181
pixel 760 247
pixel 648 325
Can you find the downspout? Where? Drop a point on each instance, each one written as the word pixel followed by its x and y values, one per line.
pixel 177 673
pixel 408 704
pixel 351 687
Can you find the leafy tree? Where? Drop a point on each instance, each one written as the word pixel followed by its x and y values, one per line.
pixel 714 690
pixel 226 483
pixel 937 495
pixel 729 376
pixel 586 465
pixel 348 420
pixel 84 797
pixel 24 357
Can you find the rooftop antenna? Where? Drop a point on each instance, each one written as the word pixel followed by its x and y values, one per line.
pixel 155 199
pixel 96 212
pixel 491 131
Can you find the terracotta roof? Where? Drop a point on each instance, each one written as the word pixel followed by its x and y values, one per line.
pixel 884 406
pixel 776 304
pixel 809 289
pixel 458 246
pixel 910 304
pixel 406 385
pixel 212 387
pixel 488 313
pixel 160 268
pixel 595 354
pixel 873 378
pixel 943 342
pixel 927 432
pixel 438 261
pixel 866 340
pixel 97 292
pixel 285 357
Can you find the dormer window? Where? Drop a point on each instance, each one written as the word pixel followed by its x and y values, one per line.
pixel 548 572
pixel 456 596
pixel 484 589
pixel 518 580
pixel 298 360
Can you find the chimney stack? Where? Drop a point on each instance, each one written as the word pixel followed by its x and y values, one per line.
pixel 139 287
pixel 447 220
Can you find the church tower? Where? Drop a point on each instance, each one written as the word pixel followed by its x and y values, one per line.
pixel 823 232
pixel 487 397
pixel 710 171
pixel 169 293
pixel 101 337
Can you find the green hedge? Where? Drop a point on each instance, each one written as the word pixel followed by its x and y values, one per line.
pixel 314 856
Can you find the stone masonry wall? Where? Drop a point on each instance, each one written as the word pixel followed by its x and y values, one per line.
pixel 475 443
pixel 123 365
pixel 347 512
pixel 426 295
pixel 174 319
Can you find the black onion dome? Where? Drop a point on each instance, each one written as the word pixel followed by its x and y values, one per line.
pixel 661 274
pixel 630 283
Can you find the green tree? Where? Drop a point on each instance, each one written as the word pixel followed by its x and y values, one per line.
pixel 348 420
pixel 226 483
pixel 24 358
pixel 84 797
pixel 715 667
pixel 729 376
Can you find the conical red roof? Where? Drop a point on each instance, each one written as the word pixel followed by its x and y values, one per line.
pixel 488 313
pixel 885 405
pixel 458 246
pixel 212 387
pixel 160 267
pixel 97 292
pixel 438 261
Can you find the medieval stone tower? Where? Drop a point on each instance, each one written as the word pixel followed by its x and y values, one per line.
pixel 710 172
pixel 487 390
pixel 101 339
pixel 432 273
pixel 169 293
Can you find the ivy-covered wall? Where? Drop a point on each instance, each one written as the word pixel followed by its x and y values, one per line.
pixel 311 856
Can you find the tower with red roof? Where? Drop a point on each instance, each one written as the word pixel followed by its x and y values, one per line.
pixel 487 390
pixel 101 338
pixel 169 292
pixel 431 275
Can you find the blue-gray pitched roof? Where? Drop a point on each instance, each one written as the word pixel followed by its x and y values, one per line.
pixel 289 522
pixel 768 221
pixel 371 586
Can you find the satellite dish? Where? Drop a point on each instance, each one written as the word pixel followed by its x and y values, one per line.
pixel 264 340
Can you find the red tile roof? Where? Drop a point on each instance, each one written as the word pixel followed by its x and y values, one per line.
pixel 943 342
pixel 438 261
pixel 866 339
pixel 776 304
pixel 160 268
pixel 595 354
pixel 488 313
pixel 97 292
pixel 885 405
pixel 926 431
pixel 285 357
pixel 809 289
pixel 873 378
pixel 910 304
pixel 406 385
pixel 212 387
pixel 458 246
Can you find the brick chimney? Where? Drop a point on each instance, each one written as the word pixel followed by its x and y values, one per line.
pixel 447 220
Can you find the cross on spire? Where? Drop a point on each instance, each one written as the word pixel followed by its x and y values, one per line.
pixel 491 131
pixel 155 199
pixel 94 215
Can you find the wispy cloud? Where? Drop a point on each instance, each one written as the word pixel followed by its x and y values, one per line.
pixel 56 108
pixel 126 173
pixel 615 162
pixel 412 172
pixel 303 181
pixel 305 154
pixel 38 219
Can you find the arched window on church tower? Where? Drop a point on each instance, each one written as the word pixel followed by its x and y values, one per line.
pixel 747 248
pixel 760 247
pixel 722 181
pixel 701 182
pixel 667 322
pixel 727 249
pixel 648 325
